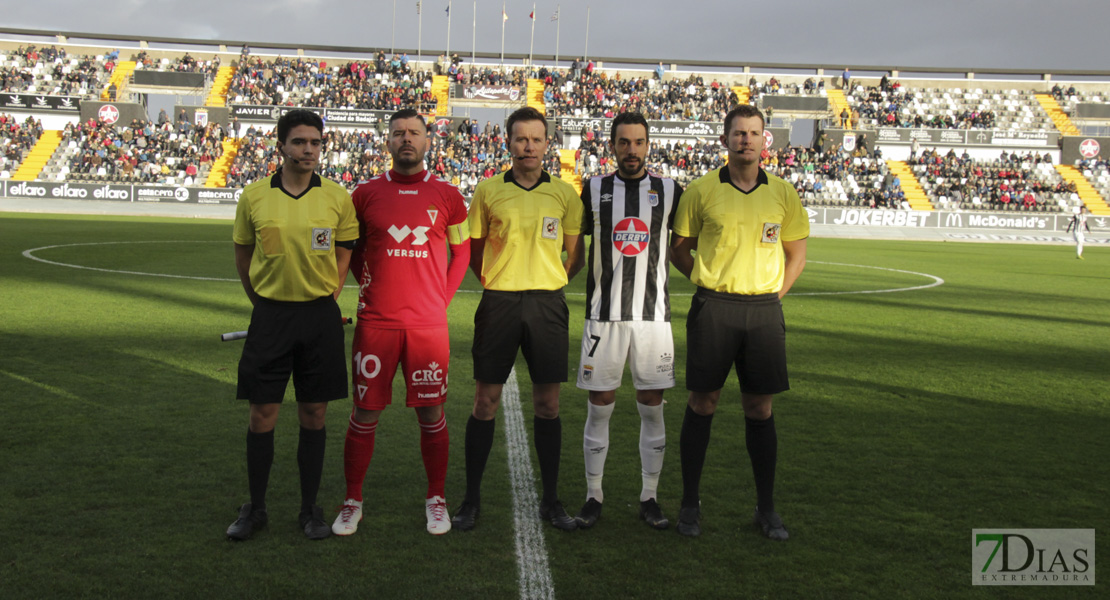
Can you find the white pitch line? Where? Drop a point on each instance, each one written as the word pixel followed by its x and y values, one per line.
pixel 30 254
pixel 531 553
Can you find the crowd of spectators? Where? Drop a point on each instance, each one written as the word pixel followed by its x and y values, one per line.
pixel 595 94
pixel 141 152
pixel 181 64
pixel 463 156
pixel 52 70
pixel 16 138
pixel 1011 182
pixel 888 105
pixel 375 85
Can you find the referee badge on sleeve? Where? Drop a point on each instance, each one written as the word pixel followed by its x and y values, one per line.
pixel 771 232
pixel 550 228
pixel 321 238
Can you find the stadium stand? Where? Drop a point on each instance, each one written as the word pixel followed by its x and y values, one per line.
pixel 16 140
pixel 181 153
pixel 52 71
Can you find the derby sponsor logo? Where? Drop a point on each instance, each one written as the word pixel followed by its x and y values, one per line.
pixel 1089 148
pixel 108 113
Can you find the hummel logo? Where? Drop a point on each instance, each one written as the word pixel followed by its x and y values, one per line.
pixel 408 192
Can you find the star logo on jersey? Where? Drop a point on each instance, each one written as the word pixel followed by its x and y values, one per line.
pixel 631 236
pixel 433 212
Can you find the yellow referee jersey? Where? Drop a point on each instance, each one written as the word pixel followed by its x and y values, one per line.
pixel 294 236
pixel 524 231
pixel 740 234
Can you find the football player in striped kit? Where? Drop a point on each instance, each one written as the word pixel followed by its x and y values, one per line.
pixel 629 215
pixel 1076 226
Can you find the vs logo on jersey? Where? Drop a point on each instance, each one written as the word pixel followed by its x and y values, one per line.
pixel 321 238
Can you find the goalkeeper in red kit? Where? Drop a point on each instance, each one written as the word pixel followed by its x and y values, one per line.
pixel 408 220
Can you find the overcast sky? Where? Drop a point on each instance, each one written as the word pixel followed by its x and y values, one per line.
pixel 971 34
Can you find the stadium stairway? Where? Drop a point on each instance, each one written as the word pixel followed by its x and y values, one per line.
pixel 217 94
pixel 743 93
pixel 217 175
pixel 915 194
pixel 1087 193
pixel 535 100
pixel 1063 123
pixel 441 89
pixel 839 103
pixel 36 159
pixel 566 160
pixel 120 75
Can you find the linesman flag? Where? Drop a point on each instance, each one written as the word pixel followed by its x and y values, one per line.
pixel 504 16
pixel 555 17
pixel 532 15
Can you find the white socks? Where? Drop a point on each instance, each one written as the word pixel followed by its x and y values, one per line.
pixel 653 444
pixel 595 447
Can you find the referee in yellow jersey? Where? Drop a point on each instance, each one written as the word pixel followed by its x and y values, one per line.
pixel 749 230
pixel 520 223
pixel 294 232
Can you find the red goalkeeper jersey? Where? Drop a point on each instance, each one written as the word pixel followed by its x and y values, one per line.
pixel 406 223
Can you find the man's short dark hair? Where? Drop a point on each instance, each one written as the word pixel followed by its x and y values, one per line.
pixel 524 114
pixel 295 117
pixel 743 110
pixel 407 113
pixel 628 118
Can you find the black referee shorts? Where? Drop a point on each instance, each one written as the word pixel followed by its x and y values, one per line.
pixel 729 330
pixel 535 321
pixel 304 339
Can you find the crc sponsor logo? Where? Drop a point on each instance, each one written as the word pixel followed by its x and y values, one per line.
pixel 631 236
pixel 26 189
pixel 433 375
pixel 367 366
pixel 882 218
pixel 1033 557
pixel 1089 148
pixel 108 114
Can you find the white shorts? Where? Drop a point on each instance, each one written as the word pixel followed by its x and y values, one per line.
pixel 647 345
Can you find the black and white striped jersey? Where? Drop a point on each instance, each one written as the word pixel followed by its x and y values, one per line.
pixel 629 223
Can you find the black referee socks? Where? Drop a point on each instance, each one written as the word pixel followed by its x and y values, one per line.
pixel 310 460
pixel 548 434
pixel 763 442
pixel 260 456
pixel 479 442
pixel 692 444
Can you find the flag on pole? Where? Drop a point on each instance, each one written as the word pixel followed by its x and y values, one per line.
pixel 504 16
pixel 532 15
pixel 448 11
pixel 555 17
pixel 417 8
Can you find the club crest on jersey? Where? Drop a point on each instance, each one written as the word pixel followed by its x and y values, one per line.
pixel 631 236
pixel 550 228
pixel 653 198
pixel 587 372
pixel 433 212
pixel 771 233
pixel 321 238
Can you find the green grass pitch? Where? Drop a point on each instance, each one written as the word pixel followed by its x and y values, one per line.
pixel 914 417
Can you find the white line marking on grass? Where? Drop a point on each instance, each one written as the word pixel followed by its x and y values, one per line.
pixel 43 386
pixel 30 254
pixel 936 281
pixel 531 553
